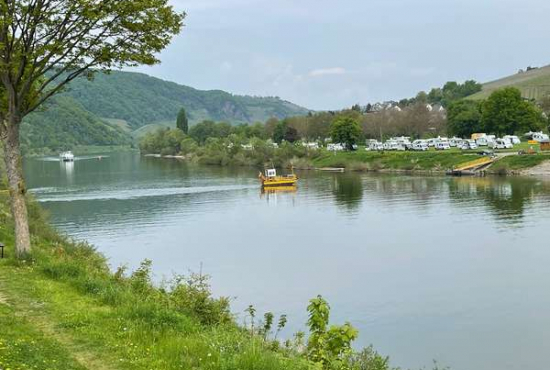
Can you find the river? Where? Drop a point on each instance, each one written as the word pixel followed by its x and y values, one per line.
pixel 426 267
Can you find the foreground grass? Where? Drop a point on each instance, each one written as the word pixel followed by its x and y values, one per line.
pixel 63 309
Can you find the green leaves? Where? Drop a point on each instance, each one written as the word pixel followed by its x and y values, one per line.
pixel 182 122
pixel 505 112
pixel 464 118
pixel 345 130
pixel 329 347
pixel 64 39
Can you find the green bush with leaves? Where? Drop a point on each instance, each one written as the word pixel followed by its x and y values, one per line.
pixel 328 346
pixel 345 130
pixel 505 112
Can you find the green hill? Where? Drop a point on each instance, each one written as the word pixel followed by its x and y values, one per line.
pixel 533 84
pixel 64 124
pixel 114 107
pixel 141 100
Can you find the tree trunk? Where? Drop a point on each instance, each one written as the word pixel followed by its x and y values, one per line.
pixel 18 190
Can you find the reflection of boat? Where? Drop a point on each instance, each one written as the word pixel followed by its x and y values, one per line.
pixel 270 179
pixel 279 189
pixel 67 156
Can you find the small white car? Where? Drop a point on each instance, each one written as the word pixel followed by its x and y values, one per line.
pixel 442 145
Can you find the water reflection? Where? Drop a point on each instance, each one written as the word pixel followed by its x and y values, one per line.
pixel 348 191
pixel 505 198
pixel 68 169
pixel 266 192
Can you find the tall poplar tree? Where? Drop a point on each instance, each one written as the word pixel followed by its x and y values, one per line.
pixel 182 122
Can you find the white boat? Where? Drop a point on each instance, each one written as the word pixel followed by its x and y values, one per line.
pixel 67 156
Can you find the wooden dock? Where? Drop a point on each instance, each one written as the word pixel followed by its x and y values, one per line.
pixel 331 169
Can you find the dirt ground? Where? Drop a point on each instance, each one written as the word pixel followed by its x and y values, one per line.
pixel 542 169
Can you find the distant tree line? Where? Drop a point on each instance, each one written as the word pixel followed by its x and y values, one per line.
pixel 504 112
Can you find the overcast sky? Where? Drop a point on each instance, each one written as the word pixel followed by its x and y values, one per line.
pixel 330 54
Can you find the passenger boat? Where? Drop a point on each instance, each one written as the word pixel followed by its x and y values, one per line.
pixel 67 156
pixel 270 179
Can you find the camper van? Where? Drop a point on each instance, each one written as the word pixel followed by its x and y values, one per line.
pixel 513 139
pixel 500 144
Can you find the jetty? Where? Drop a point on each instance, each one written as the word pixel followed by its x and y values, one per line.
pixel 331 169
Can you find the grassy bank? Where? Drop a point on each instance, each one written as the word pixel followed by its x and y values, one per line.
pixel 430 161
pixel 63 309
pixel 518 163
pixel 362 160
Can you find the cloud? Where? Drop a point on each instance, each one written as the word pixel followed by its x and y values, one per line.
pixel 327 72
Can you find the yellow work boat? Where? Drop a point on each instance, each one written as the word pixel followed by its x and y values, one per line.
pixel 270 179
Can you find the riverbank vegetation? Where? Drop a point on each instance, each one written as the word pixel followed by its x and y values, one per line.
pixel 62 308
pixel 302 142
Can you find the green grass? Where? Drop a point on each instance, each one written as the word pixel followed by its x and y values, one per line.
pixel 64 309
pixel 23 346
pixel 518 162
pixel 408 161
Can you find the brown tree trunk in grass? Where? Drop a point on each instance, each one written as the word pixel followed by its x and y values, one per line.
pixel 16 185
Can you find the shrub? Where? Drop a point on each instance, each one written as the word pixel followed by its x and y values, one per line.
pixel 192 295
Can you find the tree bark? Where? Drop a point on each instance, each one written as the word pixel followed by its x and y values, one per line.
pixel 17 188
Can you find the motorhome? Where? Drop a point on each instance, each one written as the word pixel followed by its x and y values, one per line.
pixel 335 147
pixel 468 145
pixel 404 141
pixel 539 136
pixel 500 144
pixel 513 139
pixel 393 145
pixel 432 141
pixel 375 146
pixel 420 145
pixel 455 141
pixel 482 141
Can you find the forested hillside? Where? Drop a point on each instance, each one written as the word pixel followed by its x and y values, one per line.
pixel 64 124
pixel 140 100
pixel 109 110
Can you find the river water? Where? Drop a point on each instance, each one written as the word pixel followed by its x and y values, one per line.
pixel 426 267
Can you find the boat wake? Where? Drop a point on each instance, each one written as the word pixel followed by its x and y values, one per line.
pixel 53 195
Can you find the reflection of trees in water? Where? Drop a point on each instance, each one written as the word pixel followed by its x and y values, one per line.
pixel 506 198
pixel 348 190
pixel 399 189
